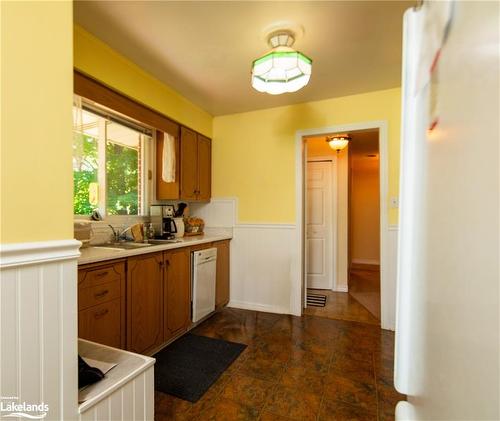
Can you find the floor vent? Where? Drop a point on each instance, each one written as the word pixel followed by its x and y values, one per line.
pixel 316 300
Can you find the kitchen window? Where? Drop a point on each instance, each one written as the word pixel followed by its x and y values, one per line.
pixel 109 161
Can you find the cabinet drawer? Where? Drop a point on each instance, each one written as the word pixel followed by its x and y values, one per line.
pixel 101 275
pixel 98 294
pixel 101 324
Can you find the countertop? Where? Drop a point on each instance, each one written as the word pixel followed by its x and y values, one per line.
pixel 94 255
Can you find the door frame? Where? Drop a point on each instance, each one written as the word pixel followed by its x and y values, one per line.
pixel 333 214
pixel 299 287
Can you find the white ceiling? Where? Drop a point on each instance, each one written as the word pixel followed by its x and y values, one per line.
pixel 204 49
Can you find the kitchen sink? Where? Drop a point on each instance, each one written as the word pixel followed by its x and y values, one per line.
pixel 124 246
pixel 158 242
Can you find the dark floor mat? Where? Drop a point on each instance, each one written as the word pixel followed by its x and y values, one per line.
pixel 188 367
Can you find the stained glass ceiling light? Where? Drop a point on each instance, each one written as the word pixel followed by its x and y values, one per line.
pixel 282 69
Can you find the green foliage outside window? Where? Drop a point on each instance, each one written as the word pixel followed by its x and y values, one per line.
pixel 122 178
pixel 84 172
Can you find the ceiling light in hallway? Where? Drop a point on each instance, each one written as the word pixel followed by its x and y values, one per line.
pixel 338 142
pixel 282 69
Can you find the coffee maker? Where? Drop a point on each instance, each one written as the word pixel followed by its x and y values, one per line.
pixel 162 218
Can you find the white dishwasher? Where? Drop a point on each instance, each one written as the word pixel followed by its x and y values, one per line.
pixel 204 265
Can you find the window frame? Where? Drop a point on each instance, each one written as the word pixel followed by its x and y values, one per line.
pixel 144 158
pixel 94 91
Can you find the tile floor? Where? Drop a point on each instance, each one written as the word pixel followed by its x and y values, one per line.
pixel 341 306
pixel 295 368
pixel 361 304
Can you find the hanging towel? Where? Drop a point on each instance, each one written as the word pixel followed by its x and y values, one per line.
pixel 168 159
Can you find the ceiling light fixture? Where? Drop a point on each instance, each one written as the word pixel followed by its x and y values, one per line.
pixel 338 142
pixel 282 69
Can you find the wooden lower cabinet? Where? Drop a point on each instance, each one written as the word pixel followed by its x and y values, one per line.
pixel 222 277
pixel 176 293
pixel 157 288
pixel 145 302
pixel 101 303
pixel 102 324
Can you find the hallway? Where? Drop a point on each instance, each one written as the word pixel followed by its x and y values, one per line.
pixel 361 304
pixel 364 286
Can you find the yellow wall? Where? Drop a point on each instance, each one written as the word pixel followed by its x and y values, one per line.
pixel 254 152
pixel 97 59
pixel 36 127
pixel 365 210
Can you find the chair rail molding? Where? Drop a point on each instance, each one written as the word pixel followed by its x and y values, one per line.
pixel 19 254
pixel 38 321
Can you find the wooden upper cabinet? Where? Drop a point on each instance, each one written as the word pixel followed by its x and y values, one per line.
pixel 145 302
pixel 189 164
pixel 196 166
pixel 176 293
pixel 204 168
pixel 164 190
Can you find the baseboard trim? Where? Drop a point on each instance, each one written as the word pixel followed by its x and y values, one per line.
pixel 364 266
pixel 343 288
pixel 258 307
pixel 21 254
pixel 264 225
pixel 366 261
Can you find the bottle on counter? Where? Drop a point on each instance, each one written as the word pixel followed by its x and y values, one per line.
pixel 149 232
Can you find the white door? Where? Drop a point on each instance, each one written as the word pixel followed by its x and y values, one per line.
pixel 319 230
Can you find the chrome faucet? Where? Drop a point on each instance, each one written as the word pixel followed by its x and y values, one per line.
pixel 117 235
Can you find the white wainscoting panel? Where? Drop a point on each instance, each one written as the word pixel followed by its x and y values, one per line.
pixel 38 324
pixel 132 402
pixel 389 279
pixel 263 267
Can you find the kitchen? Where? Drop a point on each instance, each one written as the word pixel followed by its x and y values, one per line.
pixel 152 215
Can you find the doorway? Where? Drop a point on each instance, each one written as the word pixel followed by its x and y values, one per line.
pixel 342 239
pixel 364 220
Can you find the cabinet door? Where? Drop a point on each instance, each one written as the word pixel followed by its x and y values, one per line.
pixel 222 278
pixel 204 168
pixel 145 302
pixel 102 323
pixel 189 164
pixel 177 292
pixel 166 190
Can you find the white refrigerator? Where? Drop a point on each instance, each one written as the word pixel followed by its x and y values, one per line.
pixel 447 330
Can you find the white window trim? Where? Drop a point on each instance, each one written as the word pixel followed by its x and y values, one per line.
pixel 146 184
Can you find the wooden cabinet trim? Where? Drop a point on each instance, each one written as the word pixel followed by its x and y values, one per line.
pixel 94 90
pixel 99 275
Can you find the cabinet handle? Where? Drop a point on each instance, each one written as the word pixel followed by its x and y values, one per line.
pixel 101 294
pixel 101 274
pixel 100 314
pixel 160 264
pixel 167 262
